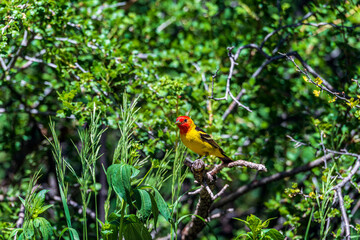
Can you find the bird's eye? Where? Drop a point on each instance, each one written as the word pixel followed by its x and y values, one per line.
pixel 185 120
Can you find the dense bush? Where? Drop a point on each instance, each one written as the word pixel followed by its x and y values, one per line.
pixel 274 83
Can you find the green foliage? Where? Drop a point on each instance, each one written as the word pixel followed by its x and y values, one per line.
pixel 34 226
pixel 62 58
pixel 60 175
pixel 258 230
pixel 121 178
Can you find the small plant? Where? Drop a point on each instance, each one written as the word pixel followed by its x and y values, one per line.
pixel 136 200
pixel 258 231
pixel 137 203
pixel 34 227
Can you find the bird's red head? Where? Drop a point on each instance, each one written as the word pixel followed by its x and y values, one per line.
pixel 184 123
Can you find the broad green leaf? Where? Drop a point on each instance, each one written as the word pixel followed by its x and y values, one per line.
pixel 154 209
pixel 119 179
pixel 134 229
pixel 273 234
pixel 39 199
pixel 44 227
pixel 162 206
pixel 143 202
pixel 134 172
pixel 113 217
pixel 29 229
pixel 265 224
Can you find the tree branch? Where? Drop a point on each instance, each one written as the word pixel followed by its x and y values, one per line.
pixel 233 59
pixel 207 179
pixel 277 176
pixel 343 214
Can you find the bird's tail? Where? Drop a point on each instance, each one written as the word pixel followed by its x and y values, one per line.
pixel 226 159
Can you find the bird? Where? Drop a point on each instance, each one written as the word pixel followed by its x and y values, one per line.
pixel 198 141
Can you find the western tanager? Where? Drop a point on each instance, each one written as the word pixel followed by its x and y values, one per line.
pixel 198 140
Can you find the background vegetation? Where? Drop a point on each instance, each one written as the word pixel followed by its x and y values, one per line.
pixel 89 92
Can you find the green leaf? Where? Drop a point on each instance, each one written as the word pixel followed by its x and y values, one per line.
pixel 72 233
pixel 67 215
pixel 162 206
pixel 22 201
pixel 118 176
pixel 44 226
pixel 39 199
pixel 273 234
pixel 265 224
pixel 29 229
pixel 113 217
pixel 154 209
pixel 15 232
pixel 143 202
pixel 44 208
pixel 134 229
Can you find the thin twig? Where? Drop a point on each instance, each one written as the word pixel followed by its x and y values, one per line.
pixel 3 64
pixel 231 72
pixel 349 176
pixel 212 85
pixel 238 163
pixel 221 192
pixel 323 146
pixel 277 176
pixel 325 86
pixel 233 104
pixel 23 44
pixel 343 214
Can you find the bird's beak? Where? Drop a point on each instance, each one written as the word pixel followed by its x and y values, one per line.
pixel 177 122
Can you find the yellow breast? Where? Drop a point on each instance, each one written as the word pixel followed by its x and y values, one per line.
pixel 193 141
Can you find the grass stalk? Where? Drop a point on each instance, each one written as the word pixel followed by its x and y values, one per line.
pixel 60 173
pixel 122 218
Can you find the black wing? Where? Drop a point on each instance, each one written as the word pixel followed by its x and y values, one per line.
pixel 207 138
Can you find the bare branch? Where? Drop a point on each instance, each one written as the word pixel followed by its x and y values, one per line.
pixel 79 67
pixel 231 72
pixel 212 86
pixel 325 86
pixel 3 64
pixel 349 176
pixel 33 59
pixel 323 146
pixel 203 78
pixel 221 192
pixel 242 163
pixel 106 6
pixel 23 44
pixel 165 24
pixel 277 176
pixel 6 26
pixel 343 214
pixel 233 104
pixel 20 221
pixel 297 143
